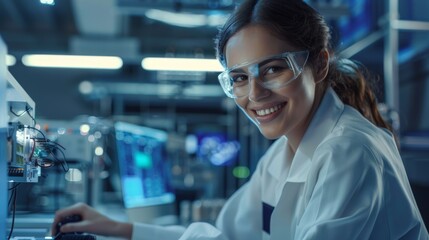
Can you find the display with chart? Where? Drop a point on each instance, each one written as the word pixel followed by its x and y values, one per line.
pixel 143 166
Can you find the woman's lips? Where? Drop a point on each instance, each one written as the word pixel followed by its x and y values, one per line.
pixel 268 113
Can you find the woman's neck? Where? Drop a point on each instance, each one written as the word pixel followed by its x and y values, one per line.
pixel 295 137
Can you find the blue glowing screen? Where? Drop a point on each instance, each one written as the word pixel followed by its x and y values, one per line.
pixel 143 165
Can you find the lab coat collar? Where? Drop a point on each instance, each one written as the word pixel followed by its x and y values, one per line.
pixel 324 120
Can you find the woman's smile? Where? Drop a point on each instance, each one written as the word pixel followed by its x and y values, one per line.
pixel 267 113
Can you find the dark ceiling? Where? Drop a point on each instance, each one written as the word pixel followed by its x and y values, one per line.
pixel 101 27
pixel 28 25
pixel 123 28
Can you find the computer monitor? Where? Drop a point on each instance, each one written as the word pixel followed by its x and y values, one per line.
pixel 143 170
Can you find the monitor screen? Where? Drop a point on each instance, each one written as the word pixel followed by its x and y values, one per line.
pixel 143 169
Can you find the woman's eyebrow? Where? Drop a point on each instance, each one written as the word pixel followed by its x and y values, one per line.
pixel 237 70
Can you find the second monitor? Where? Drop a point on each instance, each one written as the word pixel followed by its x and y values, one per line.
pixel 144 172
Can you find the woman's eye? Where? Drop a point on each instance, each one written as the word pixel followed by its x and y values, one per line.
pixel 239 79
pixel 273 69
pixel 276 67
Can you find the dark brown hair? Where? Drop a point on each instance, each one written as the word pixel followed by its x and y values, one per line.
pixel 304 28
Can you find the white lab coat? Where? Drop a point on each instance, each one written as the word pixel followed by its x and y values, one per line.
pixel 346 181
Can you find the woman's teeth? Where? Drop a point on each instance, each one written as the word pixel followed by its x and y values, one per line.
pixel 267 111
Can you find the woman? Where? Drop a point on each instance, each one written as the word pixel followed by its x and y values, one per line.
pixel 334 171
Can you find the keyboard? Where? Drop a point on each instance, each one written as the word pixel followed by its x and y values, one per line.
pixel 75 237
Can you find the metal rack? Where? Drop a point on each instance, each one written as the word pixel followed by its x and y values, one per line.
pixel 15 98
pixel 391 71
pixel 390 35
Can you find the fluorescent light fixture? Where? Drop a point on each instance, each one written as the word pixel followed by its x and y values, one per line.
pixel 102 88
pixel 203 91
pixel 182 64
pixel 72 61
pixel 10 60
pixel 186 19
pixel 47 2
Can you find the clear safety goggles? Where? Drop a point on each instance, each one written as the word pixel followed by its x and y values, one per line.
pixel 270 72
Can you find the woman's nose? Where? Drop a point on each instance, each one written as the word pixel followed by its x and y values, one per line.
pixel 256 90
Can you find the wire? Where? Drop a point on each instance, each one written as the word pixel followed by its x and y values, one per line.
pixel 17 115
pixel 16 185
pixel 34 120
pixel 10 197
pixel 14 193
pixel 51 147
pixel 64 162
pixel 44 137
pixel 55 143
pixel 27 110
pixel 51 159
pixel 32 149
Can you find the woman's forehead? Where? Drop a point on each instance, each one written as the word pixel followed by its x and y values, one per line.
pixel 251 43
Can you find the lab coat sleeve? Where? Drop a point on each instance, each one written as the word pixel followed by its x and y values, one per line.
pixel 142 231
pixel 241 217
pixel 347 194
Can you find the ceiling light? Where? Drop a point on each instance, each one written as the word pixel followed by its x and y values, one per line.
pixel 182 64
pixel 10 60
pixel 47 2
pixel 72 61
pixel 186 19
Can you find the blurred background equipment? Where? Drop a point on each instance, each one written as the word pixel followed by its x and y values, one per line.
pixel 210 149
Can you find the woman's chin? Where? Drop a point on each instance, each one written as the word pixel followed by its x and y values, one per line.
pixel 269 134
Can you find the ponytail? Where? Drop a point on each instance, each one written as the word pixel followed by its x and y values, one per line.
pixel 354 85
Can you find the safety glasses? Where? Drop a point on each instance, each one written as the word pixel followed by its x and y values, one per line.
pixel 271 72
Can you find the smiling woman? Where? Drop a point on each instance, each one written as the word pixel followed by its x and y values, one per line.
pixel 334 170
pixel 285 102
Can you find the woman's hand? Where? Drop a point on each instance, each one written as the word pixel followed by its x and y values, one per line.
pixel 92 222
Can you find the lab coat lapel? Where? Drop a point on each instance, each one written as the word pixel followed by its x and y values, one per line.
pixel 324 121
pixel 283 219
pixel 290 206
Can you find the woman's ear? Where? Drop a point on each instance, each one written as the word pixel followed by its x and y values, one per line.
pixel 322 66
